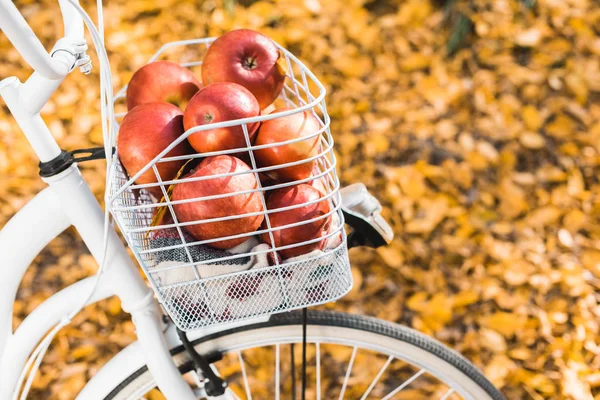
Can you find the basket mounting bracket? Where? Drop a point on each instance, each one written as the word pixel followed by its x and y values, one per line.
pixel 214 385
pixel 67 158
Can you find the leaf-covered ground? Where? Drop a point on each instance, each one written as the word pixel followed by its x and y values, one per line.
pixel 486 159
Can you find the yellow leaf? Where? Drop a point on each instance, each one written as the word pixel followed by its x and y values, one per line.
pixel 84 351
pixel 413 12
pixel 593 379
pixel 438 311
pixel 574 220
pixel 465 298
pixel 476 160
pixel 155 394
pixel 414 62
pixel 512 199
pixel 514 275
pixel 417 301
pixel 581 28
pixel 575 183
pixel 487 150
pixel 357 279
pixel 281 64
pixel 377 144
pixel 553 51
pixel 531 117
pixel 114 306
pixel 577 86
pixel 391 255
pixel 492 340
pixel 313 5
pixel 532 140
pixel 529 38
pixel 561 127
pixel 520 353
pixel 411 181
pixel 542 384
pixel 362 106
pixel 433 211
pixel 498 368
pixel 549 173
pixel 569 149
pixel 505 323
pixel 544 216
pixel 565 238
pixel 353 67
pixel 160 211
pixel 591 261
pixel 574 386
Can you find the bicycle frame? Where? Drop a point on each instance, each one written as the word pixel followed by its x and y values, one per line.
pixel 67 201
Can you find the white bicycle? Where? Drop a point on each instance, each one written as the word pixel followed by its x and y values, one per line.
pixel 309 354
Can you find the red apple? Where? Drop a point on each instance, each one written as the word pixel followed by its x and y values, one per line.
pixel 265 180
pixel 268 110
pixel 161 81
pixel 287 128
pixel 297 195
pixel 223 207
pixel 321 183
pixel 248 58
pixel 166 219
pixel 218 102
pixel 146 131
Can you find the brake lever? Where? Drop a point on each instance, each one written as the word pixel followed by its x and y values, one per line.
pixel 362 212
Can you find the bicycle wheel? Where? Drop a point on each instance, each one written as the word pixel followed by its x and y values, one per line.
pixel 348 356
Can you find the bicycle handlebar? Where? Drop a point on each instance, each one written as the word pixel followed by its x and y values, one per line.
pixel 27 43
pixel 72 19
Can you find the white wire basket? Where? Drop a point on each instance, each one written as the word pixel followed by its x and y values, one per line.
pixel 199 285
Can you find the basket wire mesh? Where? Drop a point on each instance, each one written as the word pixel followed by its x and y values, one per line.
pixel 199 285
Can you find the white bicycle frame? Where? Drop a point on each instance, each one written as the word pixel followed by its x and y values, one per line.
pixel 68 201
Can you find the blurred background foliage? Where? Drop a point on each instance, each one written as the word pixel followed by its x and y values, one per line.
pixel 477 125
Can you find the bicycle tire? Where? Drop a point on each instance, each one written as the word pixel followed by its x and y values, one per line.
pixel 358 323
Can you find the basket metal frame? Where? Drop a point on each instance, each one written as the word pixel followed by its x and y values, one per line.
pixel 133 212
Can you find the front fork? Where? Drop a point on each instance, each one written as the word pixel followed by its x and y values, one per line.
pixel 86 215
pixel 82 210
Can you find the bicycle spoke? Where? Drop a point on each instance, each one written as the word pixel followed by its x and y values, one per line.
pixel 277 365
pixel 405 384
pixel 293 363
pixel 318 371
pixel 447 394
pixel 243 368
pixel 304 317
pixel 231 392
pixel 377 377
pixel 348 372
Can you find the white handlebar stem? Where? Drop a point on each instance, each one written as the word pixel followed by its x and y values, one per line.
pixel 24 39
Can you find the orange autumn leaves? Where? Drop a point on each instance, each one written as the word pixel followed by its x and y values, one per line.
pixel 486 163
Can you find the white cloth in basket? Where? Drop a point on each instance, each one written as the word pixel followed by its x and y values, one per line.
pixel 176 274
pixel 297 282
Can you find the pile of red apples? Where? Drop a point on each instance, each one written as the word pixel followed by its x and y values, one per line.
pixel 242 75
